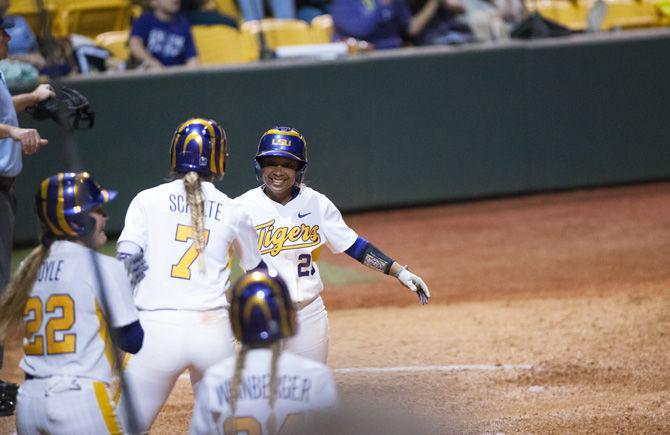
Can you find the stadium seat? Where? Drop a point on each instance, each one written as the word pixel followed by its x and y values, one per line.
pixel 322 29
pixel 279 32
pixel 623 14
pixel 116 42
pixel 228 7
pixel 630 14
pixel 90 17
pixel 221 44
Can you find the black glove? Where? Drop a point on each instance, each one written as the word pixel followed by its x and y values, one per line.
pixel 69 108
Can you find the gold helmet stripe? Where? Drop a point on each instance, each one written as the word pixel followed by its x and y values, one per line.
pixel 43 195
pixel 59 209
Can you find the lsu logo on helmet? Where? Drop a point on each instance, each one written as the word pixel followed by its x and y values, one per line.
pixel 64 200
pixel 261 310
pixel 199 145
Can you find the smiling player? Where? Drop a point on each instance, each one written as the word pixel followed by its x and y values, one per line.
pixel 294 222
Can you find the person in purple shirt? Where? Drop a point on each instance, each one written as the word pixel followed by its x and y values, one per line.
pixel 388 23
pixel 383 23
pixel 162 38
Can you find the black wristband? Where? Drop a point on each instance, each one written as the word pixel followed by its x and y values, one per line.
pixel 376 259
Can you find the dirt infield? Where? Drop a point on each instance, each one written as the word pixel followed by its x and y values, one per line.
pixel 550 314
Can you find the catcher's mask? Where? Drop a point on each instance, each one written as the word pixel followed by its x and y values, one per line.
pixel 69 108
pixel 64 200
pixel 285 142
pixel 261 310
pixel 199 145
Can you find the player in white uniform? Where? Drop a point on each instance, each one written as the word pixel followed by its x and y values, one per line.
pixel 68 355
pixel 294 222
pixel 185 229
pixel 262 390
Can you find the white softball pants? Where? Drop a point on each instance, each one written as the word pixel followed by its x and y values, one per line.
pixel 65 405
pixel 311 340
pixel 174 341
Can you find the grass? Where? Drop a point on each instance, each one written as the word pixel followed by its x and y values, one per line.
pixel 330 273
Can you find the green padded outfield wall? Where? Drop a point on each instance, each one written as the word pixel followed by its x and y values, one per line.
pixel 405 127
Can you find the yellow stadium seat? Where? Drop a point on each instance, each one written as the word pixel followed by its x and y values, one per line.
pixel 630 14
pixel 91 17
pixel 228 7
pixel 116 42
pixel 620 13
pixel 279 32
pixel 220 44
pixel 322 29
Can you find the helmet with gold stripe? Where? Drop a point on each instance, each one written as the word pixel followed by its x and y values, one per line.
pixel 261 310
pixel 199 145
pixel 64 200
pixel 285 142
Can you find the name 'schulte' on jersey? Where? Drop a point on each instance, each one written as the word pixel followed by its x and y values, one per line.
pixel 290 237
pixel 159 221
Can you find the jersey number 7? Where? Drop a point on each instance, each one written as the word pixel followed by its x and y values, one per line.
pixel 182 269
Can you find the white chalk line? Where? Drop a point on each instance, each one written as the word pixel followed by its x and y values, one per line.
pixel 443 368
pixel 415 369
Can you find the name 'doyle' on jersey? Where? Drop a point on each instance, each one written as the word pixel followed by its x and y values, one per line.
pixel 273 240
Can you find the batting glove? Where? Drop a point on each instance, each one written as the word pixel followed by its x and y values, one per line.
pixel 136 265
pixel 414 283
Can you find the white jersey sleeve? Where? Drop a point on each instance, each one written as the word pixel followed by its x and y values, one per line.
pixel 339 237
pixel 135 225
pixel 117 292
pixel 245 244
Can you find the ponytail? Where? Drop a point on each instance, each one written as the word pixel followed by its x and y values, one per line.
pixel 196 202
pixel 17 291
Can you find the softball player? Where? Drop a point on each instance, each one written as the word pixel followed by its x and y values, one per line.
pixel 185 229
pixel 262 390
pixel 68 359
pixel 294 222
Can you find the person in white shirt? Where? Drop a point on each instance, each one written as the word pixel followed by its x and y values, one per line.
pixel 61 291
pixel 294 222
pixel 263 389
pixel 185 229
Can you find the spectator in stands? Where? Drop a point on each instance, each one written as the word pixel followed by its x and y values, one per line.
pixel 204 12
pixel 391 24
pixel 308 9
pixel 162 38
pixel 254 9
pixel 438 22
pixel 23 45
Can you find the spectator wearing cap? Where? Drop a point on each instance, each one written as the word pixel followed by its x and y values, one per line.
pixel 20 141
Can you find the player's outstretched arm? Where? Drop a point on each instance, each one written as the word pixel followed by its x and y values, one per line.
pixel 368 255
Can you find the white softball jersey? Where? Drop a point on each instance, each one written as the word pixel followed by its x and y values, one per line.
pixel 303 387
pixel 66 333
pixel 158 220
pixel 291 236
pixel 68 354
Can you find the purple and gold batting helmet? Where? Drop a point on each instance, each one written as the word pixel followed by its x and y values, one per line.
pixel 64 200
pixel 261 310
pixel 199 145
pixel 285 142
